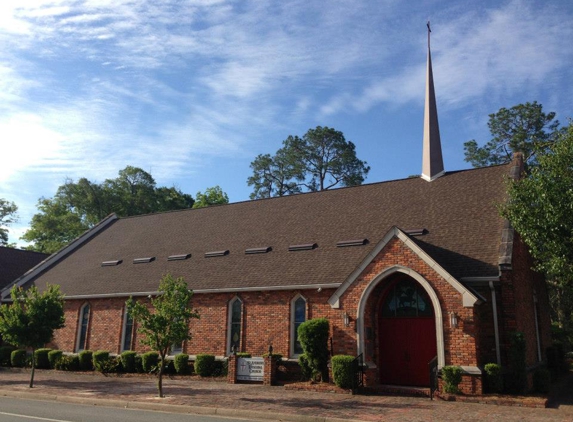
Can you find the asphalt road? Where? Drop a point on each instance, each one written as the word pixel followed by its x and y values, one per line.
pixel 19 410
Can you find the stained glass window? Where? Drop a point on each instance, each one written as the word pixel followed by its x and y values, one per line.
pixel 127 331
pixel 299 309
pixel 235 329
pixel 83 327
pixel 407 298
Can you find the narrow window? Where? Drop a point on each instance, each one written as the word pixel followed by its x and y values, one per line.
pixel 127 332
pixel 235 322
pixel 83 327
pixel 298 316
pixel 176 348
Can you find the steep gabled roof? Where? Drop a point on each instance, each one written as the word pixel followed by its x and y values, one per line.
pixel 458 210
pixel 15 262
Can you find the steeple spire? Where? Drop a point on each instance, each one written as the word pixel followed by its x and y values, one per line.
pixel 432 163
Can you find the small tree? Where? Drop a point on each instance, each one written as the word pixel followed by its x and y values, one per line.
pixel 31 318
pixel 313 336
pixel 167 323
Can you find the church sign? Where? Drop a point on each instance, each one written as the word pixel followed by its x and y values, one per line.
pixel 250 369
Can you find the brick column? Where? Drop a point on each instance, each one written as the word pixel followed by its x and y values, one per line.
pixel 269 377
pixel 232 369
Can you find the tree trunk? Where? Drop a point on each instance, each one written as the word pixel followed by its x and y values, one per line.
pixel 33 368
pixel 160 377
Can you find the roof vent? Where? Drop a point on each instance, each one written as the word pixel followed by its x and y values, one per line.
pixel 355 242
pixel 216 253
pixel 416 232
pixel 111 263
pixel 144 260
pixel 252 251
pixel 179 257
pixel 302 247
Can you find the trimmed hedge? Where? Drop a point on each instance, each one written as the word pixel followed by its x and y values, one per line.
pixel 220 368
pixel 139 364
pixel 18 358
pixel 494 378
pixel 41 358
pixel 54 357
pixel 150 362
pixel 204 365
pixel 68 362
pixel 86 360
pixel 128 361
pixel 517 380
pixel 99 360
pixel 313 336
pixel 452 376
pixel 5 353
pixel 181 362
pixel 342 370
pixel 305 369
pixel 243 355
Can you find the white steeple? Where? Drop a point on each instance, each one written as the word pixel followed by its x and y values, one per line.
pixel 432 163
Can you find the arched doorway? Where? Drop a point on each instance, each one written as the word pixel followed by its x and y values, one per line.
pixel 407 333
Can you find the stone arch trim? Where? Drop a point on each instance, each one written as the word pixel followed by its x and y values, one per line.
pixel 438 315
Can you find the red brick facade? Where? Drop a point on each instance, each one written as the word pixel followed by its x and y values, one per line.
pixel 266 317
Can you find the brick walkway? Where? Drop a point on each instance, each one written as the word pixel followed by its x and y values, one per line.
pixel 271 403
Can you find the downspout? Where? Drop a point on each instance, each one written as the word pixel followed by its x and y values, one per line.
pixel 495 322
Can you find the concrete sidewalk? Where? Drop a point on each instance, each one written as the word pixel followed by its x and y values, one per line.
pixel 193 395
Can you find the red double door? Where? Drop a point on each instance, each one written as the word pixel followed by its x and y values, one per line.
pixel 407 345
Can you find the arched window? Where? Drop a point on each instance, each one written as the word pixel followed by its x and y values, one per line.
pixel 407 298
pixel 127 336
pixel 297 317
pixel 83 327
pixel 235 323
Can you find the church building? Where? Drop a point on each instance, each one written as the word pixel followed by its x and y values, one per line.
pixel 404 270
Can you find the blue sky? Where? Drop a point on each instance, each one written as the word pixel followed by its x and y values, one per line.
pixel 191 91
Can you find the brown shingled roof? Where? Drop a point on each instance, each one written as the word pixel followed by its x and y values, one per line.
pixel 15 262
pixel 458 210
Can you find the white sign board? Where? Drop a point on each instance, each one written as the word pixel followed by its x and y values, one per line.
pixel 250 369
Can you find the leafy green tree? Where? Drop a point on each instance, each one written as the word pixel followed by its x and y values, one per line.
pixel 522 128
pixel 540 208
pixel 30 320
pixel 167 322
pixel 54 226
pixel 212 196
pixel 320 160
pixel 78 206
pixel 7 217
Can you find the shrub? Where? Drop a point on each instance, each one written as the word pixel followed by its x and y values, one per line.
pixel 313 336
pixel 556 362
pixel 204 365
pixel 276 356
pixel 243 355
pixel 150 361
pixel 86 360
pixel 18 358
pixel 54 356
pixel 41 357
pixel 452 376
pixel 99 360
pixel 541 380
pixel 494 377
pixel 305 369
pixel 67 362
pixel 128 361
pixel 220 368
pixel 5 353
pixel 139 364
pixel 181 362
pixel 517 380
pixel 342 370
